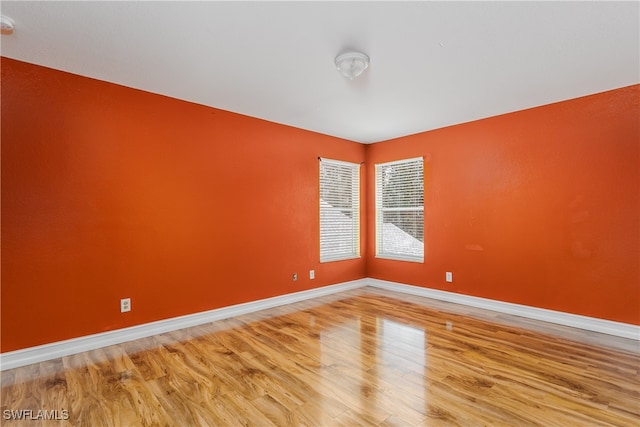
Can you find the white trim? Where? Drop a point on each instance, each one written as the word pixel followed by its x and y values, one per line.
pixel 322 261
pixel 410 166
pixel 339 162
pixel 335 226
pixel 395 257
pixel 394 162
pixel 27 356
pixel 609 327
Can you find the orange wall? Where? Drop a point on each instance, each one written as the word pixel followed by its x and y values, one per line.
pixel 110 192
pixel 539 207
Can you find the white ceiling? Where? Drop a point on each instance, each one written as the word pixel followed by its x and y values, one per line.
pixel 433 64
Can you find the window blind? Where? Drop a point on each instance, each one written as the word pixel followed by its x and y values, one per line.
pixel 400 210
pixel 339 210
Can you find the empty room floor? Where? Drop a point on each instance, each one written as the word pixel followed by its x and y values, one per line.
pixel 361 357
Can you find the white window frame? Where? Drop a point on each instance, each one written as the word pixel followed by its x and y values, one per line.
pixel 339 233
pixel 417 205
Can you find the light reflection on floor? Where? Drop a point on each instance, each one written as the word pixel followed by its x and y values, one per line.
pixel 379 352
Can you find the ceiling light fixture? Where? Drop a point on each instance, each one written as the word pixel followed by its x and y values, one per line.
pixel 352 64
pixel 6 25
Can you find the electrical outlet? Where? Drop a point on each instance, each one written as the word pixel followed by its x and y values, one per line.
pixel 125 305
pixel 448 276
pixel 295 276
pixel 312 274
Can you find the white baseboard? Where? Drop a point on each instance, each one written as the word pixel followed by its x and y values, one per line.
pixel 624 330
pixel 27 356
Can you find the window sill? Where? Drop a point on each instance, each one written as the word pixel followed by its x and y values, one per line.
pixel 322 261
pixel 401 258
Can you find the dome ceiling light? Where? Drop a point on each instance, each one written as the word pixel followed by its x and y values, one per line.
pixel 6 25
pixel 352 64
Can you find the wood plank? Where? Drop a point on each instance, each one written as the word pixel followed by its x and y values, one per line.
pixel 363 357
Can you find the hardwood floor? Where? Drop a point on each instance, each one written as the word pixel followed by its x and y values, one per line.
pixel 363 357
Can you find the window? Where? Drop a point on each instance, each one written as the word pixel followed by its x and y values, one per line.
pixel 339 210
pixel 400 210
